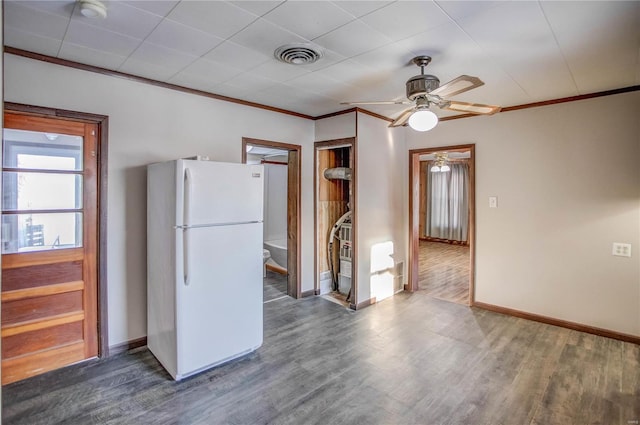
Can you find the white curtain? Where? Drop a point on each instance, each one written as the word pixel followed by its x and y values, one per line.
pixel 448 203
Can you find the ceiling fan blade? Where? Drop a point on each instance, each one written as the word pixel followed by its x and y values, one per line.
pixel 456 86
pixel 402 118
pixel 380 102
pixel 472 108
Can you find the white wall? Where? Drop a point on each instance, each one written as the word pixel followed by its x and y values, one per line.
pixel 337 127
pixel 275 202
pixel 567 178
pixel 149 124
pixel 382 206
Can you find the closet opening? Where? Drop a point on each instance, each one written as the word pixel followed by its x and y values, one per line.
pixel 334 221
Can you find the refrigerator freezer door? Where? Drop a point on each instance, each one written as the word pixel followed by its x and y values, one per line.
pixel 219 192
pixel 219 303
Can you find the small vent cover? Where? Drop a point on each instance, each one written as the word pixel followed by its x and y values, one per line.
pixel 298 54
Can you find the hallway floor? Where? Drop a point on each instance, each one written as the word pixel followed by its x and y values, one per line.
pixel 444 271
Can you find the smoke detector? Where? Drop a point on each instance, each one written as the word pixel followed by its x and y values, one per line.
pixel 298 54
pixel 93 9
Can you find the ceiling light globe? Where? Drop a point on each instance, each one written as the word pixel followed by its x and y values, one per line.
pixel 423 120
pixel 445 168
pixel 435 169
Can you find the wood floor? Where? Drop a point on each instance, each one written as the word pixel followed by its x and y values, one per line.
pixel 444 271
pixel 275 286
pixel 411 359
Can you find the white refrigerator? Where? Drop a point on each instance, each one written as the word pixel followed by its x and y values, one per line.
pixel 204 265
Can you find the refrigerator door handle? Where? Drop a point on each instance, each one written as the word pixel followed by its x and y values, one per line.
pixel 185 255
pixel 185 230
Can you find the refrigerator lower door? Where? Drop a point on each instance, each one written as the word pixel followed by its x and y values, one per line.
pixel 219 298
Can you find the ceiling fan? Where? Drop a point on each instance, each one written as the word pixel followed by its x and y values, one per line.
pixel 424 90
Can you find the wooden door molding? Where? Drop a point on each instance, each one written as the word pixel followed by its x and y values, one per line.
pixel 353 160
pixel 414 219
pixel 101 139
pixel 294 201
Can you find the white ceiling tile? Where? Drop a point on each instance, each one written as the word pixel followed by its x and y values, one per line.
pixel 180 37
pixel 279 71
pixel 157 7
pixel 265 37
pixel 320 84
pixel 403 19
pixel 308 19
pixel 62 8
pixel 219 18
pixel 21 17
pixel 123 19
pixel 229 91
pixel 250 81
pixel 361 7
pixel 460 9
pixel 89 56
pixel 328 58
pixel 237 56
pixel 146 70
pixel 257 7
pixel 348 71
pixel 19 39
pixel 607 60
pixel 100 39
pixel 352 39
pixel 191 81
pixel 391 57
pixel 161 56
pixel 213 72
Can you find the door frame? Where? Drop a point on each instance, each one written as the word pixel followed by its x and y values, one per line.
pixel 102 122
pixel 414 219
pixel 328 144
pixel 294 283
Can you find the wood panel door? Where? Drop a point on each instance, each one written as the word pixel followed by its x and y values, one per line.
pixel 49 244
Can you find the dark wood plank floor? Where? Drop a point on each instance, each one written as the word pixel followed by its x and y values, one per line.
pixel 444 271
pixel 412 359
pixel 275 286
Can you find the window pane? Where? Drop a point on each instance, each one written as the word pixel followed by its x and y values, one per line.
pixel 37 232
pixel 44 151
pixel 41 191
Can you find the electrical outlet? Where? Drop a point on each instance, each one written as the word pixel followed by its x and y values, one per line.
pixel 493 202
pixel 621 249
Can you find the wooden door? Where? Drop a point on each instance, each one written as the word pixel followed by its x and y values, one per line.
pixel 49 244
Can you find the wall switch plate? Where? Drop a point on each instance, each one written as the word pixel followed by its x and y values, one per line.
pixel 621 249
pixel 493 202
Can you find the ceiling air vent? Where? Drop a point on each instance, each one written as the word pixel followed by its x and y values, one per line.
pixel 298 54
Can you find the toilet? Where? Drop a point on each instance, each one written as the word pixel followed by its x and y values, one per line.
pixel 265 257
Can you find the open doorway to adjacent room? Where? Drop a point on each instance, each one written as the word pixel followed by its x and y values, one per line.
pixel 442 217
pixel 281 247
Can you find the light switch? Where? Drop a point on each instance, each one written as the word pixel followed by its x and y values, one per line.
pixel 493 202
pixel 621 249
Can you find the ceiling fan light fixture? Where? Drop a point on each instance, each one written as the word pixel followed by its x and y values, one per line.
pixel 423 120
pixel 435 169
pixel 93 9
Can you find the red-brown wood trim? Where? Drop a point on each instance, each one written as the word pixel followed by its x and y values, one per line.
pixel 309 293
pixel 276 269
pixel 118 74
pixel 414 195
pixel 273 162
pixel 559 322
pixel 363 304
pixel 328 144
pixel 102 122
pixel 552 101
pixel 128 345
pixel 373 114
pixel 131 77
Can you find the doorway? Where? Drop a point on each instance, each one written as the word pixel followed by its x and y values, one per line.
pixel 442 222
pixel 52 300
pixel 335 221
pixel 285 164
